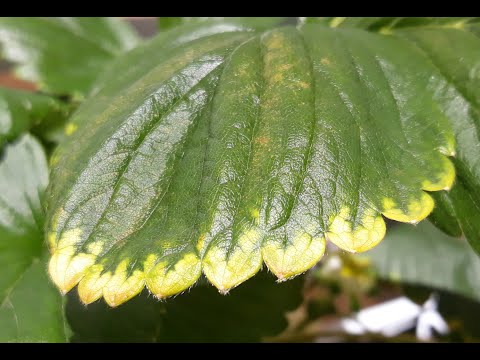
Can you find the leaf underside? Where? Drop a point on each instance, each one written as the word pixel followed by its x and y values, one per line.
pixel 219 149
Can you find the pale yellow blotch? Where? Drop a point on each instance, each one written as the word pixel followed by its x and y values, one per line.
pixel 417 209
pixel 226 271
pixel 278 77
pixel 386 30
pixel 303 85
pixel 274 41
pixel 336 21
pixel 458 25
pixel 363 237
pixel 69 238
pixel 67 268
pixel 90 288
pixel 95 248
pixel 70 128
pixel 446 179
pixel 285 67
pixel 52 241
pixel 52 235
pixel 121 288
pixel 166 279
pixel 255 213
pixel 299 256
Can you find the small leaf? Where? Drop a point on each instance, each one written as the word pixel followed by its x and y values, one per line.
pixel 63 55
pixel 231 148
pixel 22 110
pixel 424 255
pixel 30 308
pixel 251 313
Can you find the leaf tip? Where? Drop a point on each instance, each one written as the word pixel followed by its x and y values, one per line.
pixel 122 286
pixel 416 210
pixel 66 268
pixel 171 276
pixel 90 288
pixel 359 238
pixel 445 178
pixel 226 269
pixel 295 258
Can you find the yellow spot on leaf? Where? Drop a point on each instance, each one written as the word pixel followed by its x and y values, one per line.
pixel 363 237
pixel 417 209
pixel 95 248
pixel 304 85
pixel 299 256
pixel 262 140
pixel 336 21
pixel 52 240
pixel 274 41
pixel 121 287
pixel 67 269
pixel 278 77
pixel 227 270
pixel 285 67
pixel 91 286
pixel 66 266
pixel 255 213
pixel 446 179
pixel 165 279
pixel 70 128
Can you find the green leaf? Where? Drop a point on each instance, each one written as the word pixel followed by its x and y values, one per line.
pixel 231 148
pixel 258 23
pixel 442 40
pixel 424 255
pixel 251 313
pixel 22 110
pixel 63 55
pixel 30 307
